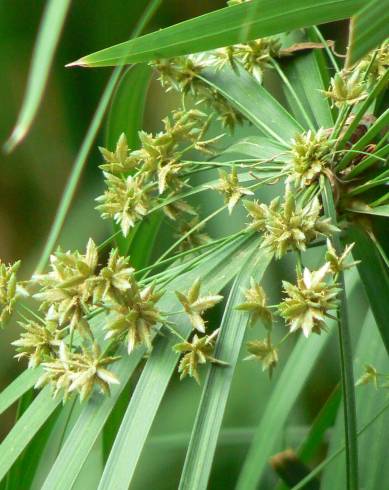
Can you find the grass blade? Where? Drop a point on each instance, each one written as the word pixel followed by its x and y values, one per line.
pixel 251 20
pixel 47 40
pixel 254 102
pixel 280 404
pixel 205 433
pixel 278 408
pixel 24 382
pixel 369 28
pixel 158 370
pixel 346 358
pixel 309 75
pixel 373 273
pixel 87 143
pixel 26 428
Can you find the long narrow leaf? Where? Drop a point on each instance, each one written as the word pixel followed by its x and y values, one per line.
pixel 254 102
pixel 48 37
pixel 369 28
pixel 227 26
pixel 18 388
pixel 217 385
pixel 156 375
pixel 278 407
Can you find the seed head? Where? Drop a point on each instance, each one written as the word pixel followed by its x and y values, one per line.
pixel 198 351
pixel 346 88
pixel 310 157
pixel 309 302
pixel 195 305
pixel 256 304
pixel 10 290
pixel 264 352
pixel 229 187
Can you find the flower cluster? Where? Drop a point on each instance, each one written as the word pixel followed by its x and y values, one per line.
pixel 229 187
pixel 70 294
pixel 286 225
pixel 311 157
pixel 183 75
pixel 200 349
pixel 136 179
pixel 347 88
pixel 309 302
pixel 10 290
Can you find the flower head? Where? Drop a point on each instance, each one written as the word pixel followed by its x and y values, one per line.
pixel 119 161
pixel 39 342
pixel 264 352
pixel 286 225
pixel 64 291
pixel 347 88
pixel 228 185
pixel 9 290
pixel 79 372
pixel 370 375
pixel 338 262
pixel 125 201
pixel 256 304
pixel 195 305
pixel 198 351
pixel 308 303
pixel 310 157
pixel 135 318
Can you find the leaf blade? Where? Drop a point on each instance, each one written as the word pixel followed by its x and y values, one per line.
pixel 224 27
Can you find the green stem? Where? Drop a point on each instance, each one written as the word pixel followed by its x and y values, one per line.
pixel 346 358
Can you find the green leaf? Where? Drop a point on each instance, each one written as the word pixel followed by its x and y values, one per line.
pixel 224 27
pixel 80 441
pixel 254 102
pixel 217 271
pixel 258 147
pixel 370 417
pixel 375 277
pixel 370 350
pixel 25 429
pixel 46 43
pixel 308 75
pixel 25 381
pixel 369 28
pixel 280 404
pixel 365 209
pixel 207 425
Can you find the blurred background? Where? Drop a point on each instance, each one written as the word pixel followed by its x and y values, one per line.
pixel 31 184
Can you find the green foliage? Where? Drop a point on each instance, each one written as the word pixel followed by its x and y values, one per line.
pixel 307 151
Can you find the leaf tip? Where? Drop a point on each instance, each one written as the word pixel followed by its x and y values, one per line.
pixel 15 138
pixel 79 62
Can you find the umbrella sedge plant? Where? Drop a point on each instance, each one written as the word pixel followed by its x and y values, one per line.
pixel 98 315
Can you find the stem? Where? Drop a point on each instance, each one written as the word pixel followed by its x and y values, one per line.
pixel 346 358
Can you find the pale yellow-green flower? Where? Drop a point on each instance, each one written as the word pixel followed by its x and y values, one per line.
pixel 125 201
pixel 288 226
pixel 195 305
pixel 308 303
pixel 38 342
pixel 346 88
pixel 135 318
pixel 311 156
pixel 256 304
pixel 9 290
pixel 79 372
pixel 264 352
pixel 230 188
pixel 198 351
pixel 338 263
pixel 369 376
pixel 120 161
